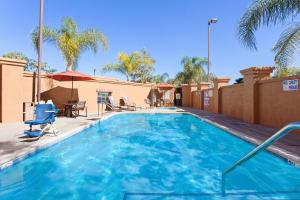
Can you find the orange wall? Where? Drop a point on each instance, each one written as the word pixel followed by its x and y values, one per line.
pixel 261 101
pixel 60 92
pixel 187 96
pixel 277 107
pixel 196 99
pixel 11 89
pixel 17 87
pixel 210 106
pixel 232 100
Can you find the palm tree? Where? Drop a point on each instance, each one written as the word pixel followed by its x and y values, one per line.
pixel 163 78
pixel 266 12
pixel 128 64
pixel 193 71
pixel 146 68
pixel 137 66
pixel 70 42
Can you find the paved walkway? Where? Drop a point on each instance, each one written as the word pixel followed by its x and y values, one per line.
pixel 287 147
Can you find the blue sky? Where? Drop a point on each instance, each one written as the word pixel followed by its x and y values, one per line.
pixel 168 29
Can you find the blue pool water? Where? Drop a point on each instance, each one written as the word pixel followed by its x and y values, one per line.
pixel 167 108
pixel 149 156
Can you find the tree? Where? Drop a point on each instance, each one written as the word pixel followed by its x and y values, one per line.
pixel 163 78
pixel 193 71
pixel 31 64
pixel 137 66
pixel 70 42
pixel 146 68
pixel 284 72
pixel 266 12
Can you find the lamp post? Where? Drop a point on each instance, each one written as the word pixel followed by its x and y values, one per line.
pixel 211 21
pixel 40 51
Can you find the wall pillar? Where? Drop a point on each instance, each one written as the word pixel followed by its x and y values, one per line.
pixel 11 93
pixel 217 101
pixel 250 94
pixel 193 88
pixel 187 94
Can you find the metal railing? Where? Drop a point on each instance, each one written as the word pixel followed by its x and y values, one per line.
pixel 279 134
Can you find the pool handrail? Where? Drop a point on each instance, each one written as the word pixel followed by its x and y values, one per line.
pixel 279 134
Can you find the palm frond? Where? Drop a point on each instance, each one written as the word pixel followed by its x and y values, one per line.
pixel 114 67
pixel 264 12
pixel 89 39
pixel 287 45
pixel 69 27
pixel 49 35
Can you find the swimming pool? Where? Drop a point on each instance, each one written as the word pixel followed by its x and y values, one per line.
pixel 167 108
pixel 149 156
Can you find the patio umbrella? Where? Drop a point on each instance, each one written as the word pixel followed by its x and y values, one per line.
pixel 71 76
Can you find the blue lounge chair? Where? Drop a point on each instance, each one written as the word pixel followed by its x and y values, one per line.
pixel 44 115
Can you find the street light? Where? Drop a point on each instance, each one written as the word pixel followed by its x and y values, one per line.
pixel 40 51
pixel 211 21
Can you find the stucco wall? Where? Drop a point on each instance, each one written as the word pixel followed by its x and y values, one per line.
pixel 186 96
pixel 17 87
pixel 277 107
pixel 210 107
pixel 11 82
pixel 196 99
pixel 60 92
pixel 232 100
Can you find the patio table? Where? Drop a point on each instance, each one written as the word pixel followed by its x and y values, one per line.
pixel 68 109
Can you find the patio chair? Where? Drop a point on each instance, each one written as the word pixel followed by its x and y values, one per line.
pixel 128 105
pixel 79 106
pixel 45 117
pixel 110 105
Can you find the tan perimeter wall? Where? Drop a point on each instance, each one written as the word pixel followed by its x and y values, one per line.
pixel 60 92
pixel 17 87
pixel 254 101
pixel 277 107
pixel 232 100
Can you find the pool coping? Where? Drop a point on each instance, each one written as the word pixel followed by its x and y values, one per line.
pixel 279 152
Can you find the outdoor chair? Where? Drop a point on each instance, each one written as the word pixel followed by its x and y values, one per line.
pixel 129 105
pixel 45 117
pixel 79 106
pixel 110 105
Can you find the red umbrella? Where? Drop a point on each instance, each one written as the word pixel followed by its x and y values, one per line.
pixel 71 76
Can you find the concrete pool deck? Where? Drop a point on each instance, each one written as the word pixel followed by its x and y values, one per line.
pixel 14 146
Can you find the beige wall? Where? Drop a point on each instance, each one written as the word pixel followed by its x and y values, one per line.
pixel 17 87
pixel 258 100
pixel 60 92
pixel 210 107
pixel 196 99
pixel 277 107
pixel 232 100
pixel 11 83
pixel 187 96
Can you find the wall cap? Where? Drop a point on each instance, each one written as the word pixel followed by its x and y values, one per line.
pixel 257 70
pixel 10 61
pixel 222 80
